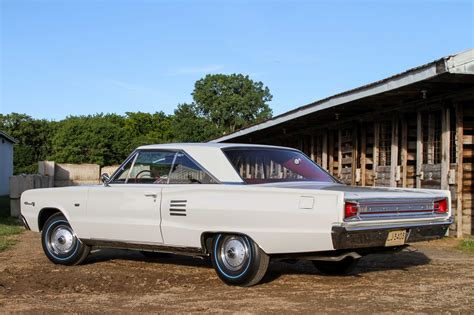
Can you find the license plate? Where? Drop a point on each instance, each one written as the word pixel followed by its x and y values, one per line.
pixel 396 238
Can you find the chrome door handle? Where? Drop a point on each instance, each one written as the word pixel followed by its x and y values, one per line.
pixel 150 194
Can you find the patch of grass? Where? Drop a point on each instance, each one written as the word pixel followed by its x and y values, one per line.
pixel 6 243
pixel 467 245
pixel 9 227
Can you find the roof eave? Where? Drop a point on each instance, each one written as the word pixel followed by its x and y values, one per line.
pixel 8 137
pixel 460 63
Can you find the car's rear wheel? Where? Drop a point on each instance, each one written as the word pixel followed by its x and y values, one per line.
pixel 238 260
pixel 341 267
pixel 60 243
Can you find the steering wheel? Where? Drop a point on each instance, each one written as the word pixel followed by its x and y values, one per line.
pixel 142 172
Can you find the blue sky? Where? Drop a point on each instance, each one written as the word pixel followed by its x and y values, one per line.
pixel 61 58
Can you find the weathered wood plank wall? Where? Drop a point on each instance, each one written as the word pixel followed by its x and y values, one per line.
pixel 427 146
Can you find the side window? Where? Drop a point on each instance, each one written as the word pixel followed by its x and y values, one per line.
pixel 151 167
pixel 122 173
pixel 186 171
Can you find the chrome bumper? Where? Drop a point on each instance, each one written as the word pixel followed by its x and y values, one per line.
pixel 348 237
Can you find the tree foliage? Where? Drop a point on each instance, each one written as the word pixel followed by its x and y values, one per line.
pixel 34 139
pixel 233 101
pixel 190 126
pixel 222 104
pixel 89 139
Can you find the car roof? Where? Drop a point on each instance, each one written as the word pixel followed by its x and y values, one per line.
pixel 211 157
pixel 210 145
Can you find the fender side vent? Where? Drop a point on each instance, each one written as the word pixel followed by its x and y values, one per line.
pixel 178 208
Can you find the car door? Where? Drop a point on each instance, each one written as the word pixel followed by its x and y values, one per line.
pixel 189 184
pixel 128 208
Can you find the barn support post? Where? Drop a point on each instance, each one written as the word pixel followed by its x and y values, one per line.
pixel 459 167
pixel 354 155
pixel 394 153
pixel 300 143
pixel 339 152
pixel 431 136
pixel 419 149
pixel 331 152
pixel 363 149
pixel 376 149
pixel 324 158
pixel 312 148
pixel 445 138
pixel 404 151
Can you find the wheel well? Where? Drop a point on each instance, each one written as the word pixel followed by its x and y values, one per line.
pixel 206 241
pixel 45 214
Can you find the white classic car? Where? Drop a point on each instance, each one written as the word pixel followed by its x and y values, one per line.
pixel 239 204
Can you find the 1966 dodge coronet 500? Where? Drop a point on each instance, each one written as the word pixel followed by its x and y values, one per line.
pixel 239 204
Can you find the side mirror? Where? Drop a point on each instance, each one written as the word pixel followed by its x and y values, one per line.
pixel 105 178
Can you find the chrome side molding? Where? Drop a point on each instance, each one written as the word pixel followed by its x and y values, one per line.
pixel 187 251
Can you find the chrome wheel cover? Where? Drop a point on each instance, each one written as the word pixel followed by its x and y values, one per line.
pixel 61 240
pixel 234 252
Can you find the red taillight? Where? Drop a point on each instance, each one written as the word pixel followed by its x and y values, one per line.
pixel 441 206
pixel 350 209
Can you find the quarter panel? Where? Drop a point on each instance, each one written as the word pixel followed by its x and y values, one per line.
pixel 71 201
pixel 270 216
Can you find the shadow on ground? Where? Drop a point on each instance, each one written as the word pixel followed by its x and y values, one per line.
pixel 371 263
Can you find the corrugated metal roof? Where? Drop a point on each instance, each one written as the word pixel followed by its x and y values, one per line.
pixel 461 63
pixel 7 137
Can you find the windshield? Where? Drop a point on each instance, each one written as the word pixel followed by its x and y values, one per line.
pixel 268 165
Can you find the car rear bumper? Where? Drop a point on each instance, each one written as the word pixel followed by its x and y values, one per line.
pixel 348 237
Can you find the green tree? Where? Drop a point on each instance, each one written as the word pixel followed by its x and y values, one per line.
pixel 146 128
pixel 222 103
pixel 233 101
pixel 89 139
pixel 34 140
pixel 190 126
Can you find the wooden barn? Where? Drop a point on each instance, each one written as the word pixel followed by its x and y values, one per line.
pixel 414 129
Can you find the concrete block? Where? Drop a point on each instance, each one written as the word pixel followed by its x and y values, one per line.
pixel 21 183
pixel 15 210
pixel 47 168
pixel 109 169
pixel 27 182
pixel 37 180
pixel 15 192
pixel 77 172
pixel 46 181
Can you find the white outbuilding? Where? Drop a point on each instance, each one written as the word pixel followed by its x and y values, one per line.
pixel 6 162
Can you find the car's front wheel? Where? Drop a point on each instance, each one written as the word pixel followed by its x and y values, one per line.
pixel 238 260
pixel 60 243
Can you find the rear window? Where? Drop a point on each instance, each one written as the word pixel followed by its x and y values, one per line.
pixel 269 165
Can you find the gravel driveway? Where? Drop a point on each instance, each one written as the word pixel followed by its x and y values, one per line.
pixel 435 278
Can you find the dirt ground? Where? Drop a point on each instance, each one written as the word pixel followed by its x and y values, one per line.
pixel 435 278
